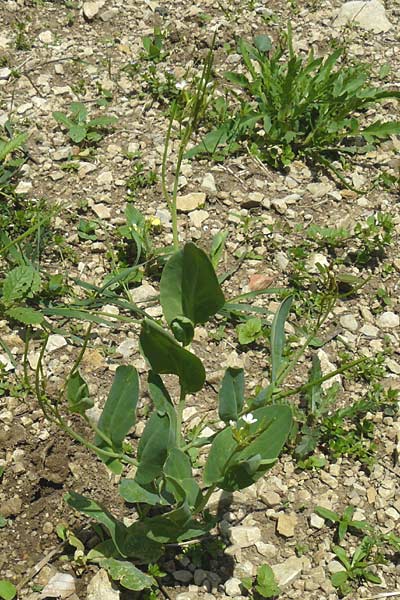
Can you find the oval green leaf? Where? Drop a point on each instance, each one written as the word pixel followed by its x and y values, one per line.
pixel 166 356
pixel 119 414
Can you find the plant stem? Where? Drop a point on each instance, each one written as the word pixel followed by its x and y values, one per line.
pixel 205 499
pixel 306 386
pixel 179 413
pixel 26 348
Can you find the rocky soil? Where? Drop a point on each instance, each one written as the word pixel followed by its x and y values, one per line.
pixel 54 53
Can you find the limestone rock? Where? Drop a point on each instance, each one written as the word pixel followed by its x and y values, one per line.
pixel 102 211
pixel 190 201
pixel 92 8
pixel 55 342
pixel 233 587
pixel 349 322
pixel 288 571
pixel 208 184
pixel 388 320
pixel 286 525
pixel 100 588
pixel 244 536
pixel 369 15
pixel 197 217
pixel 143 293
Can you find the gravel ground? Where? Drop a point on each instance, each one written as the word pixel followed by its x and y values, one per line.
pixel 54 53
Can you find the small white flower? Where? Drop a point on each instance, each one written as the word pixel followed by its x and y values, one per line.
pixel 232 423
pixel 249 419
pixel 180 85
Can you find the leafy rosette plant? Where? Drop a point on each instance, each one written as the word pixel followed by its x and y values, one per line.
pixel 170 503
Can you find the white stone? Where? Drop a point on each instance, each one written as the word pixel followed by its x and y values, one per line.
pixel 46 37
pixel 316 259
pixel 6 363
pixel 326 367
pixel 91 9
pixel 335 567
pixel 23 108
pixel 85 168
pixel 110 309
pixel 286 525
pixel 208 184
pixel 369 15
pixel 233 587
pixel 105 178
pixel 269 497
pixel 369 330
pixel 318 190
pixel 197 217
pixel 55 342
pixel 349 322
pixel 23 187
pixel 279 204
pixel 5 73
pixel 62 153
pixel 288 571
pixel 4 42
pixel 190 201
pixel 100 588
pixel 267 550
pixel 282 261
pixel 143 293
pixel 244 536
pixel 127 347
pixel 316 521
pixel 102 211
pixel 188 413
pixel 388 320
pixel 61 585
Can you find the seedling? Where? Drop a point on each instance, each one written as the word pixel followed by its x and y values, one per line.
pixel 11 160
pixel 344 521
pixel 265 585
pixel 249 331
pixel 356 567
pixel 82 130
pixel 87 229
pixel 153 47
pixel 141 177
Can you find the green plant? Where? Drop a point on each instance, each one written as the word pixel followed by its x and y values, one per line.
pixel 11 149
pixel 265 585
pixel 170 502
pixel 87 229
pixel 137 248
pixel 292 107
pixel 337 432
pixel 344 521
pixel 80 128
pixel 22 41
pixel 8 591
pixel 140 177
pixel 357 567
pixel 249 331
pixel 153 46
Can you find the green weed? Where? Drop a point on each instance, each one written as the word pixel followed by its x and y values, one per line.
pixel 344 522
pixel 265 585
pixel 338 431
pixel 290 107
pixel 80 129
pixel 357 567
